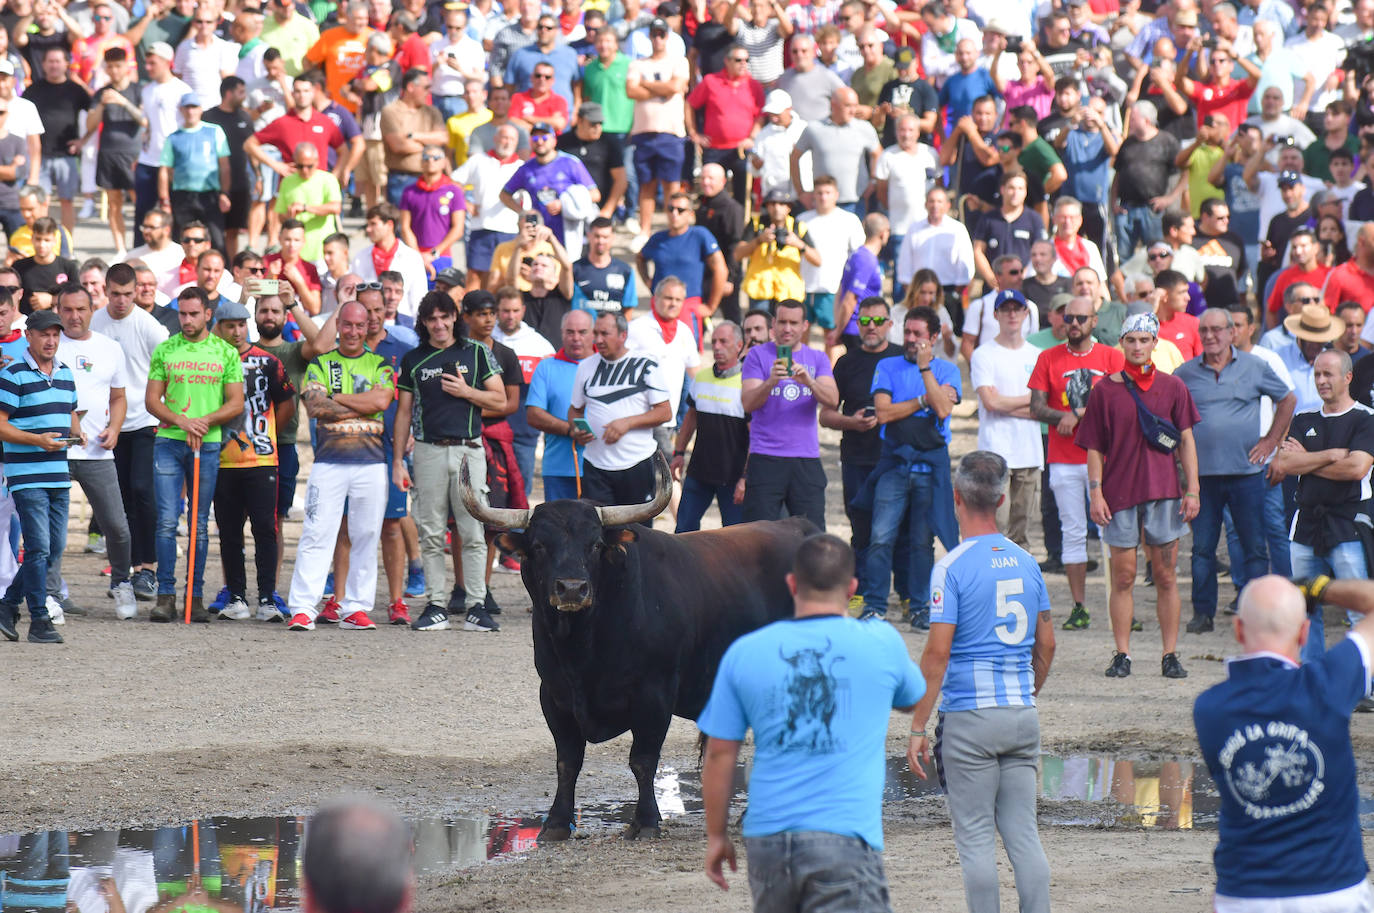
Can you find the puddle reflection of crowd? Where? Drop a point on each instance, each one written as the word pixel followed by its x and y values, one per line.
pixel 1160 794
pixel 247 865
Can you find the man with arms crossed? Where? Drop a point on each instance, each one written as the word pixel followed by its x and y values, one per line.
pixel 989 651
pixel 813 827
pixel 1133 485
pixel 1293 843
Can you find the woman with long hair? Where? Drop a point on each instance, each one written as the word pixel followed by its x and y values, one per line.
pixel 924 291
pixel 1334 243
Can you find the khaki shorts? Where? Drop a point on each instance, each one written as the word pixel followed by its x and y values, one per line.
pixel 1160 520
pixel 372 167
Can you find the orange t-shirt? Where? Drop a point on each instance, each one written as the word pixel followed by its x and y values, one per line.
pixel 88 54
pixel 341 54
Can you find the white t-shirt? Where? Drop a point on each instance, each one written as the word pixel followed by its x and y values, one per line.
pixel 659 114
pixel 203 68
pixel 483 179
pixel 1322 55
pixel 24 120
pixel 907 175
pixel 406 261
pixel 836 235
pixel 608 390
pixel 97 366
pixel 1007 371
pixel 1271 201
pixel 136 335
pixel 160 100
pixel 529 346
pixel 980 319
pixel 774 146
pixel 674 358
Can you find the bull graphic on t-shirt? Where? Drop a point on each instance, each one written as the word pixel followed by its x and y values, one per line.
pixel 1077 385
pixel 811 699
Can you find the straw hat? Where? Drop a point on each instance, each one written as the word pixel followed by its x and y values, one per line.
pixel 1315 324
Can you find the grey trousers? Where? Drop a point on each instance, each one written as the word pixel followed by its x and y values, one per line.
pixel 988 765
pixel 437 494
pixel 100 481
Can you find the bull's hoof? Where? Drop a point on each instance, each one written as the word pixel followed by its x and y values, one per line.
pixel 638 831
pixel 554 833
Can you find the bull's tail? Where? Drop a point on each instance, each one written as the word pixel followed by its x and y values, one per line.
pixel 701 749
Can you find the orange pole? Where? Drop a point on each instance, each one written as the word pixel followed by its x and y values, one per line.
pixel 195 825
pixel 577 470
pixel 191 523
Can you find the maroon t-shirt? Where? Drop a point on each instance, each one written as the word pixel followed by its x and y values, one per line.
pixel 1133 471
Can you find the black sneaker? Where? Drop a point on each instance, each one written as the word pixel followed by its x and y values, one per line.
pixel 1090 566
pixel 1232 607
pixel 479 619
pixel 1121 666
pixel 490 605
pixel 433 618
pixel 866 614
pixel 1170 667
pixel 145 585
pixel 1200 624
pixel 9 621
pixel 1149 573
pixel 1052 565
pixel 919 619
pixel 41 631
pixel 457 600
pixel 1366 705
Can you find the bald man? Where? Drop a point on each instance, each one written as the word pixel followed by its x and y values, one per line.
pixel 358 860
pixel 1276 738
pixel 843 147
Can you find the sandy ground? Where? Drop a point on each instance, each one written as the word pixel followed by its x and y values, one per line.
pixel 137 724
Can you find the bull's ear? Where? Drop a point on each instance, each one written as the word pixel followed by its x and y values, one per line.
pixel 620 536
pixel 511 544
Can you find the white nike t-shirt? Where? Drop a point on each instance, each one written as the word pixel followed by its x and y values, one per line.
pixel 608 390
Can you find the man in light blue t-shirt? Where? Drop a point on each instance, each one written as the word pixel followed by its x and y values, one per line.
pixel 989 651
pixel 194 176
pixel 546 406
pixel 817 690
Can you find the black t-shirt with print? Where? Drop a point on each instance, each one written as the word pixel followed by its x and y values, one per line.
pixel 435 415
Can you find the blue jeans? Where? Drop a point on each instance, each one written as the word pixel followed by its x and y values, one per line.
pixel 1244 495
pixel 856 207
pixel 43 518
pixel 1275 539
pixel 815 871
pixel 172 467
pixel 526 439
pixel 560 488
pixel 897 489
pixel 1137 225
pixel 1344 562
pixel 449 105
pixel 396 183
pixel 696 497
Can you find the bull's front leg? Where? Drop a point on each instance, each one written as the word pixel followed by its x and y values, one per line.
pixel 571 747
pixel 645 750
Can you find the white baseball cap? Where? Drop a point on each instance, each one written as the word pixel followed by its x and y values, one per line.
pixel 161 49
pixel 777 102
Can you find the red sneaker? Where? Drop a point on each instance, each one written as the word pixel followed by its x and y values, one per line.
pixel 358 621
pixel 399 613
pixel 301 622
pixel 330 613
pixel 508 565
pixel 106 572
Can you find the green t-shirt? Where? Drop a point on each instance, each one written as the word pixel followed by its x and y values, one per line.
pixel 322 188
pixel 606 86
pixel 868 84
pixel 1199 188
pixel 289 354
pixel 196 375
pixel 1316 158
pixel 353 440
pixel 1038 158
pixel 292 39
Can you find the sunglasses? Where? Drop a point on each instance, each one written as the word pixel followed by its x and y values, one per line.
pixel 872 321
pixel 542 76
pixel 431 157
pixel 1077 318
pixel 678 209
pixel 188 239
pixel 369 286
pixel 1309 299
pixel 739 59
pixel 1161 255
pixel 1003 147
pixel 256 270
pixel 546 28
pixel 101 18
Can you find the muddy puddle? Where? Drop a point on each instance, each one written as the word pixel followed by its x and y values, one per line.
pixel 253 864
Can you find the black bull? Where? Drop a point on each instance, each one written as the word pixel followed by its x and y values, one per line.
pixel 630 624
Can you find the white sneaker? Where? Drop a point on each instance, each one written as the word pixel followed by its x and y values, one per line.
pixel 55 613
pixel 236 610
pixel 87 209
pixel 632 226
pixel 125 605
pixel 638 241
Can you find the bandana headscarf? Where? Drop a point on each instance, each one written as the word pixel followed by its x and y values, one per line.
pixel 1140 323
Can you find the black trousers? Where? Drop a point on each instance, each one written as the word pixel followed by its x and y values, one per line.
pixel 198 206
pixel 735 165
pixel 134 465
pixel 619 486
pixel 247 494
pixel 791 486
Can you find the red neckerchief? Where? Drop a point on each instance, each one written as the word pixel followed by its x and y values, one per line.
pixel 669 327
pixel 1074 256
pixel 1143 376
pixel 443 179
pixel 514 156
pixel 11 336
pixel 560 355
pixel 186 272
pixel 381 260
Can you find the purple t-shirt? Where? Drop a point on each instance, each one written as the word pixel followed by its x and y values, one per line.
pixel 864 278
pixel 545 182
pixel 431 211
pixel 786 425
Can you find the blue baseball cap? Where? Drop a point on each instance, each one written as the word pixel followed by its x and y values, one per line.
pixel 1008 296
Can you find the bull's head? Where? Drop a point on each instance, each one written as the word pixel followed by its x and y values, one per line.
pixel 562 542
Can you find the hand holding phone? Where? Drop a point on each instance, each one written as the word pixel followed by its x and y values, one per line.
pixel 582 425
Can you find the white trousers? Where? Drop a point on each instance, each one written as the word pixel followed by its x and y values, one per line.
pixel 1069 482
pixel 363 487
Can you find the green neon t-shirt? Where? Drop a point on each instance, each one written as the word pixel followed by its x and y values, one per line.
pixel 196 375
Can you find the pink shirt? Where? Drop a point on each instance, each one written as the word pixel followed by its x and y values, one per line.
pixel 1038 95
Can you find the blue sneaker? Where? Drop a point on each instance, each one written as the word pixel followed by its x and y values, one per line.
pixel 329 584
pixel 415 582
pixel 220 601
pixel 281 605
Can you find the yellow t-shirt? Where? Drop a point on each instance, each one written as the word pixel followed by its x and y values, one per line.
pixel 460 127
pixel 1199 188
